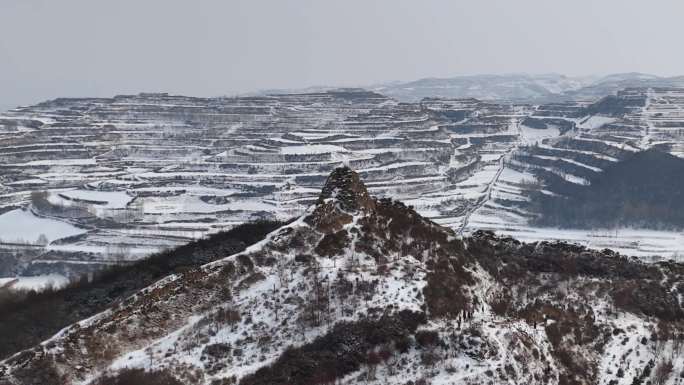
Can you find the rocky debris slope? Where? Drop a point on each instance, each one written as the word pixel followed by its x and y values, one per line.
pixel 366 290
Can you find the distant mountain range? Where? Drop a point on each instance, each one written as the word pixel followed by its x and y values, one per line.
pixel 525 88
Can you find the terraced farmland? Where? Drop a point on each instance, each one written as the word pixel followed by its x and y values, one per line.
pixel 113 179
pixel 594 137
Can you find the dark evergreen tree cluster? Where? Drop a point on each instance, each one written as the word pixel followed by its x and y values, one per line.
pixel 644 190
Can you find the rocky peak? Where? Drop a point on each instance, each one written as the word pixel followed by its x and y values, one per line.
pixel 345 188
pixel 343 196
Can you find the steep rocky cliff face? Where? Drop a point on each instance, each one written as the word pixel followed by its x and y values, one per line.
pixel 366 290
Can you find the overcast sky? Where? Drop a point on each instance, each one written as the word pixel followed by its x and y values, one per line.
pixel 54 48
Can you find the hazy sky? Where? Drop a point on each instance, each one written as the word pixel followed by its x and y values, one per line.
pixel 53 48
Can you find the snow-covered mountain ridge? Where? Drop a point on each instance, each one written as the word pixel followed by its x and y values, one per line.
pixel 513 87
pixel 524 88
pixel 360 289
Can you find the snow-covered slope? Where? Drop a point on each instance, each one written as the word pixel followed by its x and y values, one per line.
pixel 366 290
pixel 595 136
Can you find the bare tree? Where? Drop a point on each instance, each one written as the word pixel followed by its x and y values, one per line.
pixel 39 200
pixel 373 359
pixel 663 372
pixel 42 240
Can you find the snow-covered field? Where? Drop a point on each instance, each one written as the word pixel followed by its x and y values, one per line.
pixel 36 283
pixel 312 149
pixel 21 226
pixel 651 245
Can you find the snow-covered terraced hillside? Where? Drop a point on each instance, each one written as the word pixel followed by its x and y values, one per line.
pixel 144 172
pixel 593 137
